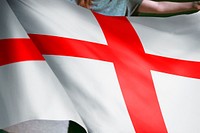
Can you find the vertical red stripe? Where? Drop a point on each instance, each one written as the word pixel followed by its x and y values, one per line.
pixel 133 74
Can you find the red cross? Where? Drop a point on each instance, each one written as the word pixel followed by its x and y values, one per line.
pixel 132 66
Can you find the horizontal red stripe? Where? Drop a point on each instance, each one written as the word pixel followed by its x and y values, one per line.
pixel 54 45
pixel 17 50
pixel 174 66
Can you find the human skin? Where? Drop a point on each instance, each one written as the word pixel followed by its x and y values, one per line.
pixel 149 6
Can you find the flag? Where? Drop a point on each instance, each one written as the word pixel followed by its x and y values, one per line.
pixel 123 75
pixel 31 97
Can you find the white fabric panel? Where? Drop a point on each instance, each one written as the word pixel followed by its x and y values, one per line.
pixel 176 37
pixel 9 22
pixel 57 18
pixel 179 99
pixel 28 91
pixel 98 97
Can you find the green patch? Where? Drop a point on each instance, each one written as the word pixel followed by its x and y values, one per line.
pixel 75 128
pixel 2 131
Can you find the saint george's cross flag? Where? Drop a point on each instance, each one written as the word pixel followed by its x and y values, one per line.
pixel 107 74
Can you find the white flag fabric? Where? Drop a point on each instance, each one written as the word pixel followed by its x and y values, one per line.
pixel 31 97
pixel 123 75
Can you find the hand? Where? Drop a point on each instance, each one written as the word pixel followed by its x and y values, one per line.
pixel 196 5
pixel 84 3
